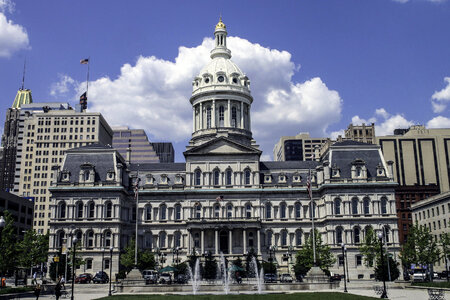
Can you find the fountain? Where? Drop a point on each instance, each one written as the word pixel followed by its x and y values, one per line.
pixel 195 276
pixel 226 276
pixel 259 276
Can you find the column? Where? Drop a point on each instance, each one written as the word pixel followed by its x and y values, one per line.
pixel 244 236
pixel 189 242
pixel 202 241
pixel 201 116
pixel 193 119
pixel 229 114
pixel 216 241
pixel 230 246
pixel 258 241
pixel 213 114
pixel 242 116
pixel 249 121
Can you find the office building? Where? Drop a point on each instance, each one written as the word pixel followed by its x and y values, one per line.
pixel 134 146
pixel 21 210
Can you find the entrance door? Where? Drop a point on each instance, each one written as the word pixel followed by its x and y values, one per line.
pixel 223 242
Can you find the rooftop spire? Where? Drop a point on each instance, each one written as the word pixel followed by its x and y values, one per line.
pixel 220 34
pixel 23 77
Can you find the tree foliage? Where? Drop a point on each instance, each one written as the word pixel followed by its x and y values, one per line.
pixel 146 260
pixel 382 270
pixel 248 263
pixel 8 249
pixel 210 269
pixel 33 249
pixel 305 259
pixel 420 248
pixel 370 248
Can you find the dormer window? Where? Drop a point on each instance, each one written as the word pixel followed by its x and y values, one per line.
pixel 335 171
pixel 178 179
pixel 267 178
pixel 65 176
pixel 87 173
pixel 235 80
pixel 296 178
pixel 149 179
pixel 359 170
pixel 110 175
pixel 206 80
pixel 163 179
pixel 380 171
pixel 221 78
pixel 282 178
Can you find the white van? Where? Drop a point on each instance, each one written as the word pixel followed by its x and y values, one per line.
pixel 150 276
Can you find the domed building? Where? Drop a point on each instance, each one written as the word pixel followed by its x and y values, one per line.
pixel 223 199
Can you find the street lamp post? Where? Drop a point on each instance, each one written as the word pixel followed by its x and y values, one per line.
pixel 380 237
pixel 175 251
pixel 343 264
pixel 2 224
pixel 74 244
pixel 103 258
pixel 110 268
pixel 346 265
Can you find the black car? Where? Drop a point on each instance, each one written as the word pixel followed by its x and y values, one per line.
pixel 335 277
pixel 100 277
pixel 444 274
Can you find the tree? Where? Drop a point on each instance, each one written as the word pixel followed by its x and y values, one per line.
pixel 127 258
pixel 305 259
pixel 192 259
pixel 146 260
pixel 8 249
pixel 370 248
pixel 269 267
pixel 33 249
pixel 420 249
pixel 445 240
pixel 210 269
pixel 381 270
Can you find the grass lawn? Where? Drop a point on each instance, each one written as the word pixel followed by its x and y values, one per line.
pixel 443 284
pixel 13 290
pixel 296 296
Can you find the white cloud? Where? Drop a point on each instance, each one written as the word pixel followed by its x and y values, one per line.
pixel 13 37
pixel 439 122
pixel 440 99
pixel 65 85
pixel 7 6
pixel 154 94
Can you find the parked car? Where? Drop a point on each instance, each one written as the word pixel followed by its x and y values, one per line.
pixel 182 279
pixel 335 277
pixel 269 277
pixel 420 275
pixel 299 277
pixel 83 278
pixel 444 274
pixel 165 278
pixel 285 277
pixel 100 277
pixel 150 276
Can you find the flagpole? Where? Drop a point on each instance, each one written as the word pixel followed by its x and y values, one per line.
pixel 312 220
pixel 137 217
pixel 87 77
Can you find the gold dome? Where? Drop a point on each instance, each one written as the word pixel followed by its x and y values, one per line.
pixel 220 25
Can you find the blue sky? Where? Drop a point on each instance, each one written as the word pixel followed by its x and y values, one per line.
pixel 314 65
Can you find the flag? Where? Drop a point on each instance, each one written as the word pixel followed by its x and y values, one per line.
pixel 136 187
pixel 308 185
pixel 83 97
pixel 84 61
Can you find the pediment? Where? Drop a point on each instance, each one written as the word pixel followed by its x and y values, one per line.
pixel 222 145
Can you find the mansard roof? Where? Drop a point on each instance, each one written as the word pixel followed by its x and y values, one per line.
pixel 344 159
pixel 287 165
pixel 158 167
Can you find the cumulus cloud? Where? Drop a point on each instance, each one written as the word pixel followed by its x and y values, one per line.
pixel 439 122
pixel 385 123
pixel 13 37
pixel 154 94
pixel 440 99
pixel 65 85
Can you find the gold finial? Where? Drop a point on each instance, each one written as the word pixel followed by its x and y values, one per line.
pixel 220 25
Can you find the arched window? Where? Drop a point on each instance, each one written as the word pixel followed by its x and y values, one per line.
pixel 148 212
pixel 355 206
pixel 79 235
pixel 62 210
pixel 60 240
pixel 177 239
pixel 216 211
pixel 79 210
pixel 148 240
pixel 339 235
pixel 208 117
pixel 247 177
pixel 229 211
pixel 268 211
pixel 196 240
pixel 233 117
pixel 356 235
pixel 91 210
pixel 216 177
pixel 269 238
pixel 86 175
pixel 283 210
pixel 298 238
pixel 107 239
pixel 284 235
pixel 337 206
pixel 358 172
pixel 197 177
pixel 250 239
pixel 90 239
pixel 228 177
pixel 198 211
pixel 386 231
pixel 383 205
pixel 163 212
pixel 108 213
pixel 177 212
pixel 366 205
pixel 248 210
pixel 221 116
pixel 298 210
pixel 162 240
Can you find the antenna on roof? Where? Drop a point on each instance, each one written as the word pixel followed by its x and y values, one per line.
pixel 23 76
